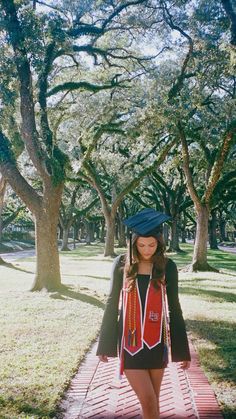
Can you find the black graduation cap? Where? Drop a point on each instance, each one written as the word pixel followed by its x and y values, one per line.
pixel 145 223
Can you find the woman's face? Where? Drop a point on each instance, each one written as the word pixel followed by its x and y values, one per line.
pixel 146 247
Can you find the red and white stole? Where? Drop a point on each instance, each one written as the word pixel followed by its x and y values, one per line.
pixel 137 328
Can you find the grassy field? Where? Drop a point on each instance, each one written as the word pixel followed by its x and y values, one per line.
pixel 44 336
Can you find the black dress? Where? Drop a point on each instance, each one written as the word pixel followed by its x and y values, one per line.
pixel 146 358
pixel 111 329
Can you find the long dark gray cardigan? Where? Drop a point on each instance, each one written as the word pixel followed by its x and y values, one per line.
pixel 108 340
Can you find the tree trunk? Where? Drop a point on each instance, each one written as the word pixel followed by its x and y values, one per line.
pixel 166 234
pixel 60 236
pixel 102 237
pixel 199 262
pixel 65 237
pixel 174 241
pixel 88 232
pixel 97 231
pixel 2 261
pixel 116 231
pixel 74 237
pixel 1 226
pixel 3 184
pixel 122 238
pixel 183 228
pixel 121 232
pixel 222 224
pixel 46 221
pixel 183 235
pixel 212 236
pixel 76 231
pixel 91 229
pixel 110 237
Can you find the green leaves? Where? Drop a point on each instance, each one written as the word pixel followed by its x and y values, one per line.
pixel 6 153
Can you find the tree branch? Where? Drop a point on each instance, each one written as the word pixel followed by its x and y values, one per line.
pixel 159 179
pixel 186 166
pixel 81 28
pixel 94 182
pixel 174 91
pixel 3 186
pixel 106 54
pixel 229 10
pixel 29 131
pixel 14 178
pixel 219 162
pixel 83 85
pixel 43 85
pixel 86 209
pixel 50 6
pixel 8 220
pixel 135 182
pixel 225 184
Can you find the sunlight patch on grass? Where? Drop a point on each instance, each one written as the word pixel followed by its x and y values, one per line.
pixel 43 340
pixel 208 304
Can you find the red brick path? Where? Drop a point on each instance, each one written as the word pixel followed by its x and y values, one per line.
pixel 96 392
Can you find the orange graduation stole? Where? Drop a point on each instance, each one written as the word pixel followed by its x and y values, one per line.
pixel 139 329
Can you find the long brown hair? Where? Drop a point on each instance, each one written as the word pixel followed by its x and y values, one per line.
pixel 158 259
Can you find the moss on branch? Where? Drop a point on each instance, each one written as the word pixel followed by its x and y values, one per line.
pixel 83 85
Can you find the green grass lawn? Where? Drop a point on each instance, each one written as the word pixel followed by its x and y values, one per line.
pixel 44 336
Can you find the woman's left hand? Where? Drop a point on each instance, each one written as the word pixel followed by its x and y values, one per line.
pixel 185 365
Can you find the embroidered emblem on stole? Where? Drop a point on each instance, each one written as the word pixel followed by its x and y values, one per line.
pixel 148 331
pixel 153 316
pixel 140 328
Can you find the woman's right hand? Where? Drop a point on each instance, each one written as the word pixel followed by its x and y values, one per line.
pixel 103 358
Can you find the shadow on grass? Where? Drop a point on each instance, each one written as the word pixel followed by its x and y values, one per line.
pixel 11 266
pixel 218 361
pixel 26 408
pixel 222 260
pixel 224 265
pixel 67 291
pixel 219 259
pixel 214 295
pixel 191 282
pixel 221 359
pixel 84 250
pixel 88 258
pixel 106 278
pixel 228 273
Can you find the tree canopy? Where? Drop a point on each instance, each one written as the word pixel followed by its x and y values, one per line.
pixel 134 99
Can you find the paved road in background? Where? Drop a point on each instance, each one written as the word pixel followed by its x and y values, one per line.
pixel 225 248
pixel 12 256
pixel 228 249
pixel 20 254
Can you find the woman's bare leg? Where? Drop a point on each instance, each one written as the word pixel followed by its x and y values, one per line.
pixel 156 378
pixel 141 383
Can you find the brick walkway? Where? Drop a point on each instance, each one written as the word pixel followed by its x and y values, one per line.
pixel 96 392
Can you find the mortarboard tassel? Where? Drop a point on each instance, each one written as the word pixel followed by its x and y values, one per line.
pixel 165 347
pixel 134 340
pixel 129 337
pixel 130 248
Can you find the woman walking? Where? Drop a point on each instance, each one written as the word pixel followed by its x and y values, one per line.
pixel 150 320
